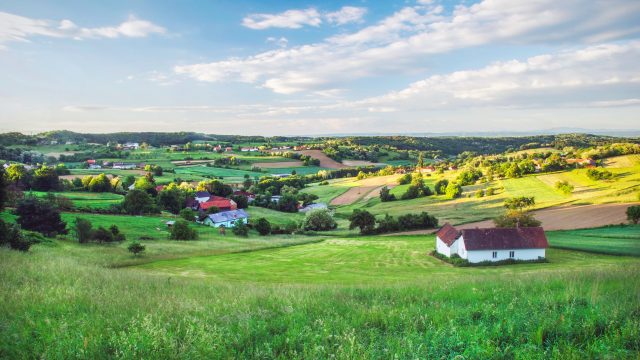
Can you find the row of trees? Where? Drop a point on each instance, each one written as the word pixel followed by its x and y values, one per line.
pixel 368 224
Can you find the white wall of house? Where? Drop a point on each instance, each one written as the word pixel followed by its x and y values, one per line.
pixel 227 224
pixel 475 256
pixel 442 248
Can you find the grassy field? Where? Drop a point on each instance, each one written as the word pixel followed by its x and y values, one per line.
pixel 350 298
pixel 232 175
pixel 86 199
pixel 608 240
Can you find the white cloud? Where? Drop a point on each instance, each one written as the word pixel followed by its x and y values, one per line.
pixel 347 14
pixel 403 41
pixel 570 78
pixel 290 19
pixel 280 42
pixel 20 28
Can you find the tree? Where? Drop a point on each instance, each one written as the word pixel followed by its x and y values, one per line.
pixel 241 200
pixel 171 199
pixel 240 228
pixel 519 203
pixel 288 203
pixel 263 226
pixel 117 235
pixel 18 174
pixel 453 190
pixel 4 192
pixel 138 202
pixel 362 219
pixel 633 214
pixel 188 214
pixel 41 216
pixel 82 228
pixel 441 186
pixel 514 218
pixel 564 187
pixel 182 231
pixel 404 179
pixel 146 184
pixel 490 191
pixel 102 235
pixel 385 195
pixel 100 183
pixel 319 220
pixel 45 179
pixel 136 248
pixel 420 163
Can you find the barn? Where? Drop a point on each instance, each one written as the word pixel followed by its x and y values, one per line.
pixel 492 244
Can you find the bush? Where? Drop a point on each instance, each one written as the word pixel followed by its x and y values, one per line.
pixel 41 216
pixel 136 248
pixel 404 179
pixel 441 186
pixel 11 235
pixel 240 228
pixel 453 190
pixel 188 214
pixel 263 226
pixel 516 219
pixel 595 174
pixel 564 187
pixel 102 235
pixel 182 231
pixel 117 235
pixel 385 195
pixel 319 220
pixel 490 191
pixel 479 193
pixel 241 200
pixel 633 214
pixel 82 228
pixel 364 220
pixel 138 202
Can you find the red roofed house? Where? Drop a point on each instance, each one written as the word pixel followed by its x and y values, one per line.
pixel 221 203
pixel 492 244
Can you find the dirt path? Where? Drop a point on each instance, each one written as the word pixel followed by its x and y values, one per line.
pixel 352 195
pixel 561 218
pixel 279 164
pixel 325 161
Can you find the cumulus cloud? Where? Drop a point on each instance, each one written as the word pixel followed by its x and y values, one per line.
pixel 280 42
pixel 19 28
pixel 570 78
pixel 347 14
pixel 290 19
pixel 402 41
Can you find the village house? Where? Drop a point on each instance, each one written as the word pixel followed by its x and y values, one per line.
pixel 202 196
pixel 226 218
pixel 318 206
pixel 223 204
pixel 124 166
pixel 492 244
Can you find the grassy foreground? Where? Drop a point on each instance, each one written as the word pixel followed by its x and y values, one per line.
pixel 59 301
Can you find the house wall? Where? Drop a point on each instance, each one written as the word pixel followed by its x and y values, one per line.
pixel 227 224
pixel 442 248
pixel 475 256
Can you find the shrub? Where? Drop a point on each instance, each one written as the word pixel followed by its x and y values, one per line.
pixel 263 226
pixel 441 186
pixel 564 187
pixel 633 214
pixel 490 191
pixel 136 248
pixel 516 219
pixel 404 179
pixel 241 200
pixel 453 190
pixel 364 220
pixel 82 228
pixel 387 224
pixel 188 214
pixel 11 235
pixel 41 216
pixel 182 231
pixel 385 195
pixel 240 228
pixel 117 235
pixel 319 220
pixel 479 193
pixel 138 202
pixel 595 174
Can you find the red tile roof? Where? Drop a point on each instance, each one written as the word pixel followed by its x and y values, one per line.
pixel 448 234
pixel 505 238
pixel 219 202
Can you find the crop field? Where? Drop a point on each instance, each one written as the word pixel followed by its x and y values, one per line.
pixel 233 175
pixel 615 240
pixel 86 199
pixel 302 170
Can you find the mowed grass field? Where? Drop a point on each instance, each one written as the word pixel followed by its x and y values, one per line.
pixel 615 240
pixel 355 298
pixel 86 199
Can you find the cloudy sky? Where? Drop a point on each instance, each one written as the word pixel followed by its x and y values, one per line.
pixel 301 67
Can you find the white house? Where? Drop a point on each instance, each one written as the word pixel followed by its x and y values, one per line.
pixel 226 218
pixel 492 244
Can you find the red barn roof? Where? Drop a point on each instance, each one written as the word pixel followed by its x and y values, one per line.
pixel 219 202
pixel 505 238
pixel 448 234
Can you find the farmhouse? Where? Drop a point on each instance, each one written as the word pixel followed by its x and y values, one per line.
pixel 492 244
pixel 124 166
pixel 221 203
pixel 226 218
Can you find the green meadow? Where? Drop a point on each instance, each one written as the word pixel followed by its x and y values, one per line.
pixel 614 240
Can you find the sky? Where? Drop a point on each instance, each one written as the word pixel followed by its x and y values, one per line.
pixel 319 67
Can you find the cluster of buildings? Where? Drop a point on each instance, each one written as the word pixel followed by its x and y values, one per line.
pixel 228 213
pixel 93 164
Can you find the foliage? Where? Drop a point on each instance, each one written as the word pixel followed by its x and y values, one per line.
pixel 240 228
pixel 11 235
pixel 41 216
pixel 241 200
pixel 188 214
pixel 440 187
pixel 385 194
pixel 469 177
pixel 82 228
pixel 404 179
pixel 564 187
pixel 4 195
pixel 515 218
pixel 319 220
pixel 45 178
pixel 138 202
pixel 363 220
pixel 519 203
pixel 595 174
pixel 136 248
pixel 479 193
pixel 181 230
pixel 633 213
pixel 263 226
pixel 490 191
pixel 453 190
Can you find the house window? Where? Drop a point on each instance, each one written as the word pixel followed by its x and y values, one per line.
pixel 495 254
pixel 512 254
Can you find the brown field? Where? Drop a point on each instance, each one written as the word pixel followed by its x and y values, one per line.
pixel 562 218
pixel 65 153
pixel 623 161
pixel 279 164
pixel 325 161
pixel 367 187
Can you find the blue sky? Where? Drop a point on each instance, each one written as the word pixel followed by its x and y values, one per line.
pixel 294 67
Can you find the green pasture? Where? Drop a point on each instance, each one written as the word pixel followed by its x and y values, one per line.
pixel 616 240
pixel 86 199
